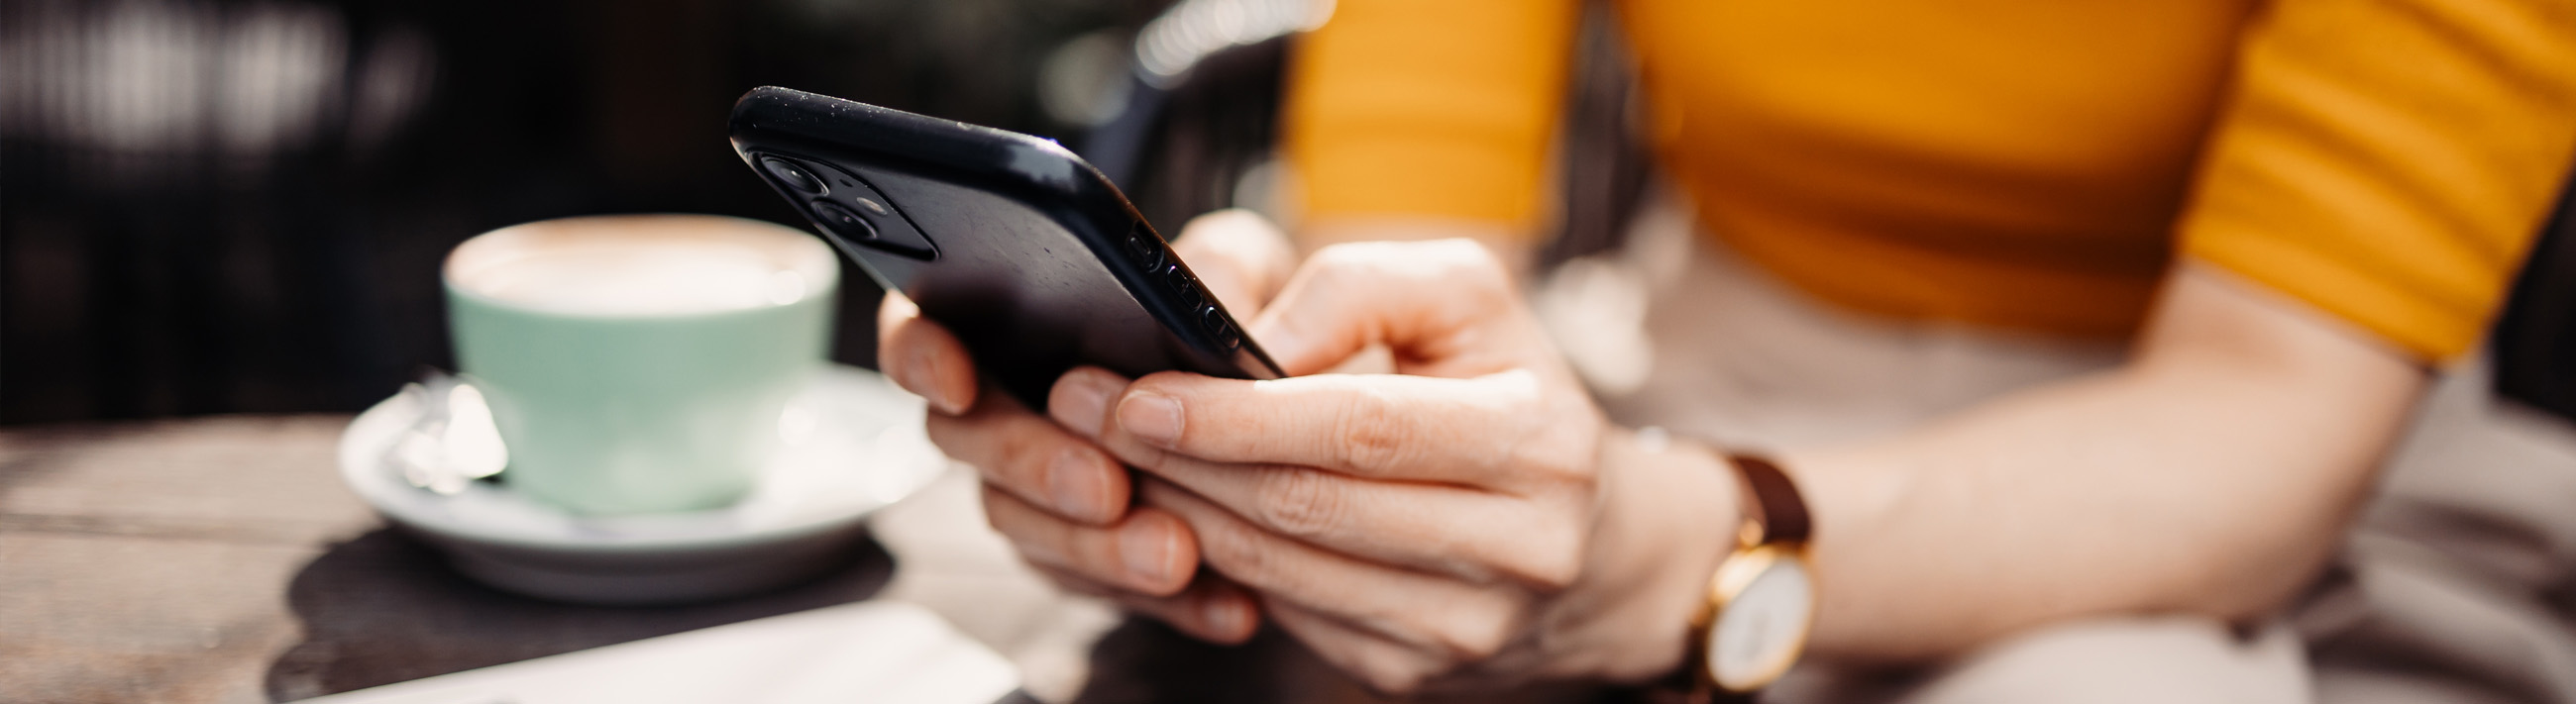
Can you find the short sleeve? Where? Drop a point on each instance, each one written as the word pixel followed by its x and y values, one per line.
pixel 2390 161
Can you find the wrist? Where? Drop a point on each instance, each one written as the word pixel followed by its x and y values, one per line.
pixel 1669 515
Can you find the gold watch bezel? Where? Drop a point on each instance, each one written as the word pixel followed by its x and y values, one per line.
pixel 1733 575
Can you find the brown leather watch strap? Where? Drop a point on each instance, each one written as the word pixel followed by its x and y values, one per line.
pixel 1784 513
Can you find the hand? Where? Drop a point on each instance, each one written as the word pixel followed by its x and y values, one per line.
pixel 1472 520
pixel 1063 502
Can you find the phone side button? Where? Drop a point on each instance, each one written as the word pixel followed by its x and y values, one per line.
pixel 1183 285
pixel 1217 326
pixel 1143 252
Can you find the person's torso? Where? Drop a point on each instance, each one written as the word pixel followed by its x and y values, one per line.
pixel 2004 163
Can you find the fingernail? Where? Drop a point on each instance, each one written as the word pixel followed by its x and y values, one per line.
pixel 1154 417
pixel 1147 548
pixel 1084 405
pixel 1075 480
pixel 1223 614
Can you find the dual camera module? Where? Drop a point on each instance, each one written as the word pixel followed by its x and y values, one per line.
pixel 845 207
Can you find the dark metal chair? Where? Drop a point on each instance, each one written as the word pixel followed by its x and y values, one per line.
pixel 1179 148
pixel 2534 341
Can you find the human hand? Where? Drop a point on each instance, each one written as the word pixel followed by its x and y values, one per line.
pixel 1064 503
pixel 1455 524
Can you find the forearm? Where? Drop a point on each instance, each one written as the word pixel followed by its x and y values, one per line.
pixel 2212 475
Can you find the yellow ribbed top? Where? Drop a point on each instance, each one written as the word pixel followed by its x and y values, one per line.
pixel 2016 164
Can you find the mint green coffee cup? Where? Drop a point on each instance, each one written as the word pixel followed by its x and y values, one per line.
pixel 639 364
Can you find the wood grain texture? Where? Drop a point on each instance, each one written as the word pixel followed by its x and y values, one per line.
pixel 220 560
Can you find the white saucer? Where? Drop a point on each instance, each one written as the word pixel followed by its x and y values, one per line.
pixel 851 444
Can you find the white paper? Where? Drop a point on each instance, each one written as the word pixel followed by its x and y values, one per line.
pixel 862 652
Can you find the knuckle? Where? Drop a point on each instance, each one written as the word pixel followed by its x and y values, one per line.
pixel 1553 458
pixel 1017 463
pixel 1558 459
pixel 1558 439
pixel 1369 439
pixel 987 442
pixel 1469 264
pixel 1235 551
pixel 1552 562
pixel 1300 502
pixel 1359 262
pixel 1337 258
pixel 1468 256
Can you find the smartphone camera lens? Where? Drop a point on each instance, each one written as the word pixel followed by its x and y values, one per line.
pixel 794 176
pixel 844 221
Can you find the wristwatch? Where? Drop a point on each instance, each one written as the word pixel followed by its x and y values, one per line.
pixel 1753 621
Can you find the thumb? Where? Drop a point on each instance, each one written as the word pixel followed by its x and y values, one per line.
pixel 1238 255
pixel 1443 307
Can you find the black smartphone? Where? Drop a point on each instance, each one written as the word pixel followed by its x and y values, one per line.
pixel 1032 258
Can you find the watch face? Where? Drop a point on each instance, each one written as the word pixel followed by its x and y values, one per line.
pixel 1759 633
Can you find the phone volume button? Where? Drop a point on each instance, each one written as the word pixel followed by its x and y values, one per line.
pixel 1183 285
pixel 1217 327
pixel 1144 251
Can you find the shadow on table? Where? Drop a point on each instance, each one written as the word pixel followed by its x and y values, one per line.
pixel 1144 661
pixel 382 608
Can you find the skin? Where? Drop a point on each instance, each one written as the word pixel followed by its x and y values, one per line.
pixel 1066 504
pixel 1470 520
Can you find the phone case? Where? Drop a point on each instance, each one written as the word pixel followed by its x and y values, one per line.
pixel 1032 258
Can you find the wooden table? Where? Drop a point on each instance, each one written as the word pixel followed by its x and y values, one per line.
pixel 220 560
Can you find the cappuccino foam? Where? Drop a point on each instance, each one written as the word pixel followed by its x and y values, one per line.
pixel 607 272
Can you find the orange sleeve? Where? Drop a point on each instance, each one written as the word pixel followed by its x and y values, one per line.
pixel 2390 161
pixel 1428 107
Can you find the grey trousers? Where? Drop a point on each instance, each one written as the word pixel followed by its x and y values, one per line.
pixel 2455 584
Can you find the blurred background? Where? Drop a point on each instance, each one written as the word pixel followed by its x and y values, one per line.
pixel 219 206
pixel 215 207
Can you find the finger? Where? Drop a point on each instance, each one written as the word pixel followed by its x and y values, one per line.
pixel 1407 606
pixel 1149 551
pixel 1239 255
pixel 1502 431
pixel 923 357
pixel 1034 460
pixel 1473 535
pixel 1080 399
pixel 1212 608
pixel 1446 308
pixel 1373 359
pixel 1384 664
